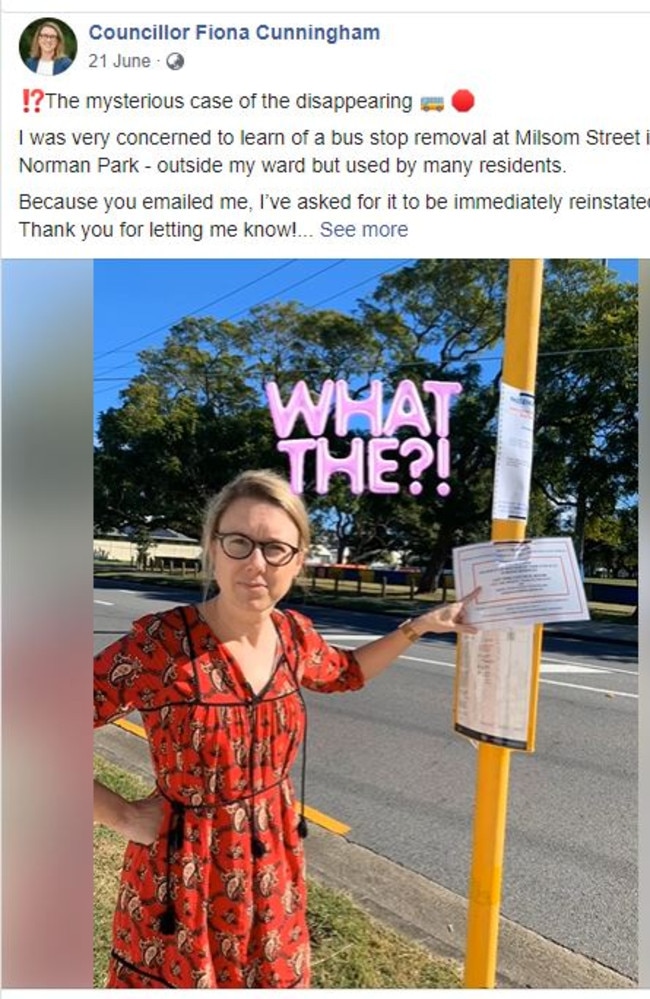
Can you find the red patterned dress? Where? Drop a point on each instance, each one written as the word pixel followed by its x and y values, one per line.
pixel 218 900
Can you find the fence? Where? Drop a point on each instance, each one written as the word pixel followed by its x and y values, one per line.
pixel 372 581
pixel 362 581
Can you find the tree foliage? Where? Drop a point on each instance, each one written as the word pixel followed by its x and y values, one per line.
pixel 197 413
pixel 586 459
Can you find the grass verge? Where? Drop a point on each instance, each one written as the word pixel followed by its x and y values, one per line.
pixel 350 950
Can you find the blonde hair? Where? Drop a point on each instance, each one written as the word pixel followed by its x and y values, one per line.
pixel 35 50
pixel 263 485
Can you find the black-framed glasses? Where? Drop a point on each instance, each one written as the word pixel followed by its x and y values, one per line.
pixel 52 38
pixel 240 546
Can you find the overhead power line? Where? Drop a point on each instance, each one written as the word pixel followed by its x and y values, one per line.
pixel 127 364
pixel 233 315
pixel 195 311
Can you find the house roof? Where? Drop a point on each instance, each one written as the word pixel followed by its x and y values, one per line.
pixel 166 534
pixel 159 534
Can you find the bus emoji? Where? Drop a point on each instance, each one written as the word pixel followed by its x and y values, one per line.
pixel 432 103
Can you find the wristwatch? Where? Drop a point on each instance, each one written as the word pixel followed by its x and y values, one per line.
pixel 407 628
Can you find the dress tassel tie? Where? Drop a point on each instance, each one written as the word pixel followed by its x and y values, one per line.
pixel 302 821
pixel 174 843
pixel 258 849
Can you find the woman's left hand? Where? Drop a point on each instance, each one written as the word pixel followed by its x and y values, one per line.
pixel 448 617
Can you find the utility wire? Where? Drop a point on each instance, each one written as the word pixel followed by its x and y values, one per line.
pixel 329 298
pixel 475 360
pixel 200 308
pixel 233 315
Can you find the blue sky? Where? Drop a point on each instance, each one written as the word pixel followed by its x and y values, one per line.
pixel 136 301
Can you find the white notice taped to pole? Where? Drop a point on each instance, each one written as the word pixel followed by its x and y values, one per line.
pixel 514 455
pixel 494 687
pixel 521 582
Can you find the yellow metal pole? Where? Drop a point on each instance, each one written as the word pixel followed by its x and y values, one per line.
pixel 493 767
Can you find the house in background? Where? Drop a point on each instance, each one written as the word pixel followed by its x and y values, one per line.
pixel 172 549
pixel 167 547
pixel 320 555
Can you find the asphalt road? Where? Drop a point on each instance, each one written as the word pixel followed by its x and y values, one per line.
pixel 386 762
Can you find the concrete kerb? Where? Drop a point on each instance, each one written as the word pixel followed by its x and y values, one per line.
pixel 411 904
pixel 417 908
pixel 436 918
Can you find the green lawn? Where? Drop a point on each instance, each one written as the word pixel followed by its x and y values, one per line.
pixel 350 950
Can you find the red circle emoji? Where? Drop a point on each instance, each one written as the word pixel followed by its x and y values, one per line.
pixel 463 100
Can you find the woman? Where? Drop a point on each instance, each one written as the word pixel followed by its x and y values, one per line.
pixel 47 54
pixel 213 892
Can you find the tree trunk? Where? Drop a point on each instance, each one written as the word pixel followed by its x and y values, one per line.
pixel 431 577
pixel 579 529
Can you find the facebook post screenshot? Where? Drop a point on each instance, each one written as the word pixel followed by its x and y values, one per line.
pixel 322 339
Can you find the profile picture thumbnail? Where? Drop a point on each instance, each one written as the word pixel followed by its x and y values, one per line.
pixel 48 46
